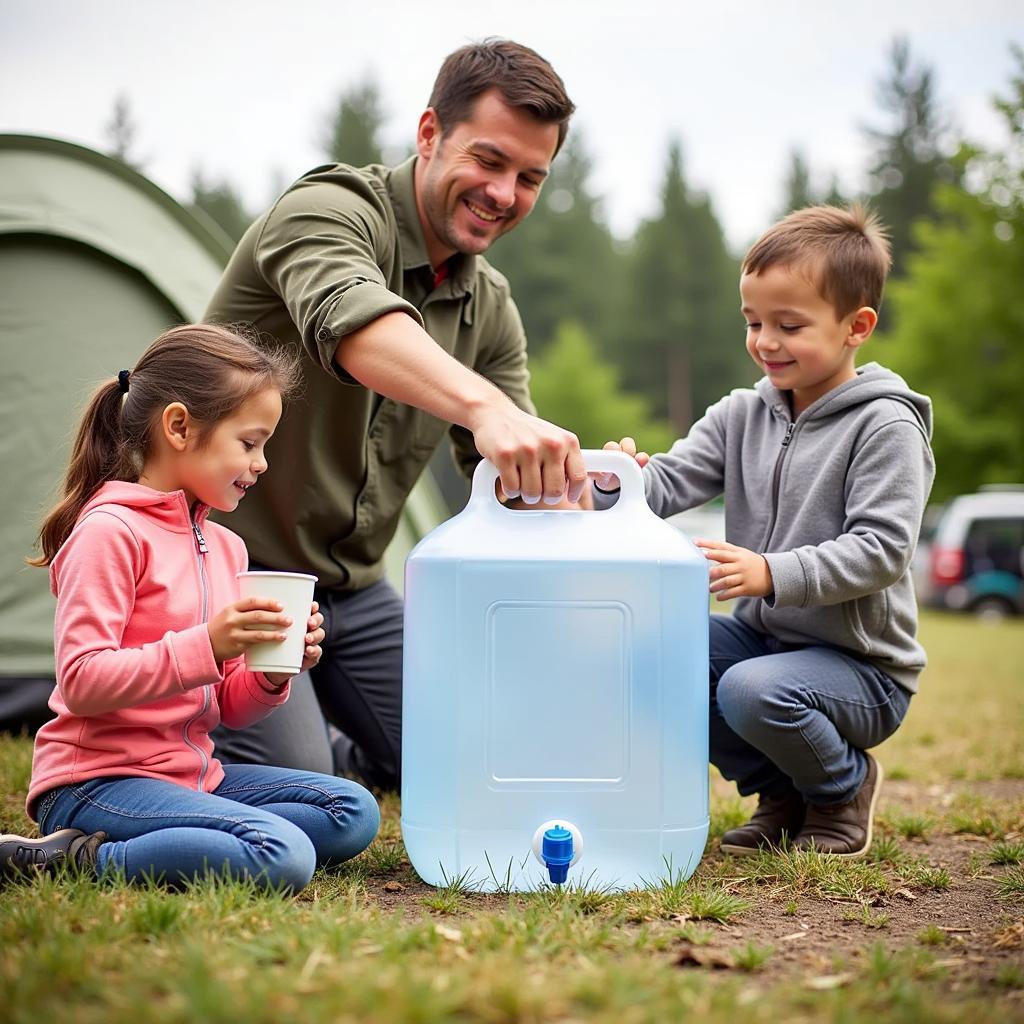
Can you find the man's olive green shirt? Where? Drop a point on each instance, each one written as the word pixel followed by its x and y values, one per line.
pixel 340 248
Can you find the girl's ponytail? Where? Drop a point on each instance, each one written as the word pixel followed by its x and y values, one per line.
pixel 99 454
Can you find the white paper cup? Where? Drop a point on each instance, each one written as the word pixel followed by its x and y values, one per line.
pixel 294 590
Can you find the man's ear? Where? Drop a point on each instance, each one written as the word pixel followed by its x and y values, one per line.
pixel 428 134
pixel 176 425
pixel 862 326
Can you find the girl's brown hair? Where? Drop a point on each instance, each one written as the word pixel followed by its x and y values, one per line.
pixel 211 370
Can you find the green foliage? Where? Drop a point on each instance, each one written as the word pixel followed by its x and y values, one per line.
pixel 572 386
pixel 219 200
pixel 561 261
pixel 960 314
pixel 353 130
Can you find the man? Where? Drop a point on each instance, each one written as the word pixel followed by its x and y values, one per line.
pixel 376 273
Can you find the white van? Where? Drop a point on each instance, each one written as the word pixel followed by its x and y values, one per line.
pixel 976 559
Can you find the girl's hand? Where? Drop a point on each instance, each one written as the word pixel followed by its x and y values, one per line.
pixel 738 572
pixel 609 481
pixel 232 629
pixel 313 652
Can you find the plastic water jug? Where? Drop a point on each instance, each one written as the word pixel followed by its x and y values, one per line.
pixel 555 694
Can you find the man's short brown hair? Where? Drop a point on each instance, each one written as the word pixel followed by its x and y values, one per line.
pixel 846 251
pixel 523 77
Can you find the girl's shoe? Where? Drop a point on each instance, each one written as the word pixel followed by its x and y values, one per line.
pixel 776 819
pixel 21 856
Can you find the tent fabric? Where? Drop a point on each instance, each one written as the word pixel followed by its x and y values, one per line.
pixel 95 261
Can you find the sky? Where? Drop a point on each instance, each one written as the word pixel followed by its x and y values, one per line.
pixel 243 90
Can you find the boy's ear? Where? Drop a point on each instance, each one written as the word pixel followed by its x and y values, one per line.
pixel 176 424
pixel 862 326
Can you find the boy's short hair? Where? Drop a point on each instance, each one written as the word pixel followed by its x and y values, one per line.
pixel 846 250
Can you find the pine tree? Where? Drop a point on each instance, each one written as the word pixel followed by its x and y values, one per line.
pixel 680 337
pixel 908 152
pixel 798 191
pixel 353 131
pixel 121 131
pixel 960 314
pixel 561 261
pixel 222 203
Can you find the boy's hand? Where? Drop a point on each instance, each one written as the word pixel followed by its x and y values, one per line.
pixel 738 573
pixel 231 629
pixel 313 651
pixel 609 481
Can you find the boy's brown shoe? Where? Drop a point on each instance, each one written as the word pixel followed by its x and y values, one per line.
pixel 844 830
pixel 776 818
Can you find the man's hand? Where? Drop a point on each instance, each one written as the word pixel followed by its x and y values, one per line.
pixel 738 572
pixel 609 481
pixel 535 459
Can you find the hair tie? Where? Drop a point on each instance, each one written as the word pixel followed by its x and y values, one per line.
pixel 122 379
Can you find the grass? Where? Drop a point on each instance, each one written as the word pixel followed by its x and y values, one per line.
pixel 968 718
pixel 351 948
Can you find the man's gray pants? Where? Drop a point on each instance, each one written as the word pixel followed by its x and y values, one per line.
pixel 357 688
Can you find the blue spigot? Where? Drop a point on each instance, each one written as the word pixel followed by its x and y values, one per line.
pixel 556 852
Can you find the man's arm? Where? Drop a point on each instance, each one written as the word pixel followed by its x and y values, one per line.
pixel 395 357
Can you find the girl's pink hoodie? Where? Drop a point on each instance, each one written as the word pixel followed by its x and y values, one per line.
pixel 138 689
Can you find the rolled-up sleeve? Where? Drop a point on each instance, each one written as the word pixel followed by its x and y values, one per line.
pixel 321 250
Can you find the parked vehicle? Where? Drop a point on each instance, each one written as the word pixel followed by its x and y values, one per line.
pixel 976 554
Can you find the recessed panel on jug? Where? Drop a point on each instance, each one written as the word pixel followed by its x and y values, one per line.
pixel 557 691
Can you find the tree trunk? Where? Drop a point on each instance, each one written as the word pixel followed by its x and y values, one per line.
pixel 680 389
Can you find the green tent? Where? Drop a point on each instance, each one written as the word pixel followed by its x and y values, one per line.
pixel 95 261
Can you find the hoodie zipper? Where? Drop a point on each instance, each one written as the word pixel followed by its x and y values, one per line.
pixel 201 551
pixel 776 483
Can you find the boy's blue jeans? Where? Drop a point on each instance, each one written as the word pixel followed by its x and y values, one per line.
pixel 786 715
pixel 275 825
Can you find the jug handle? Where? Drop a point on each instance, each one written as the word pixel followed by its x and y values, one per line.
pixel 597 460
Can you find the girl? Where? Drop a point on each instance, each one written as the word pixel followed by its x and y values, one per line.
pixel 125 778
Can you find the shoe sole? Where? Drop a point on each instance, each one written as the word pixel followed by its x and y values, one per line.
pixel 753 851
pixel 741 851
pixel 857 854
pixel 25 841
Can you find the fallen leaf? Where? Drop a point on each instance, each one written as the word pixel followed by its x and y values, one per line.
pixel 701 956
pixel 393 887
pixel 824 982
pixel 451 934
pixel 1010 938
pixel 905 893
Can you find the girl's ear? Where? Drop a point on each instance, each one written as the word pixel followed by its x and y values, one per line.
pixel 176 426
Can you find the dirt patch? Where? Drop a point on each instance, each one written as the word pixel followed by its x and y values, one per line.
pixel 971 932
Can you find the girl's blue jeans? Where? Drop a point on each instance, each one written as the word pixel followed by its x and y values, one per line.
pixel 785 715
pixel 274 825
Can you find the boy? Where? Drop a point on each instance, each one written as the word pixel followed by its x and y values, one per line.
pixel 825 470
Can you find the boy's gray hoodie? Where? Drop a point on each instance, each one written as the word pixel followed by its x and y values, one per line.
pixel 833 500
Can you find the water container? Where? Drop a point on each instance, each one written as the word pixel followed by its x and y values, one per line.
pixel 555 695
